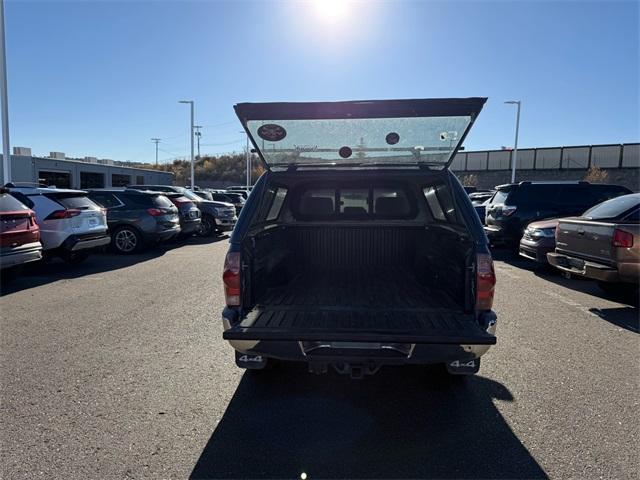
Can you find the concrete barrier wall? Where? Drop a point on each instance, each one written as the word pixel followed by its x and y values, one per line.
pixel 577 157
pixel 629 177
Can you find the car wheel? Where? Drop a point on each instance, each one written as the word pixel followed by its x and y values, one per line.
pixel 126 240
pixel 207 226
pixel 74 258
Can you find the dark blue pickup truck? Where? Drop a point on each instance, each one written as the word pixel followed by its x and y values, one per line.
pixel 358 247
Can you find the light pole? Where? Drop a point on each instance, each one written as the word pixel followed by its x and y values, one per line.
pixel 198 135
pixel 248 160
pixel 190 102
pixel 156 141
pixel 6 156
pixel 515 146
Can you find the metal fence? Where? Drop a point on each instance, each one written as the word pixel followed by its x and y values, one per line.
pixel 625 155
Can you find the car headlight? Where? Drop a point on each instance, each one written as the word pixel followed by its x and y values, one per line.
pixel 216 212
pixel 542 232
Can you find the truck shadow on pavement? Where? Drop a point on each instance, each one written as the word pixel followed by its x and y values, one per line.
pixel 623 317
pixel 40 273
pixel 408 422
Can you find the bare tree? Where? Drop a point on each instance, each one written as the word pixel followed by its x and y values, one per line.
pixel 470 180
pixel 596 175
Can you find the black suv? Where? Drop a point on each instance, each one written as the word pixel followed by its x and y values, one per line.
pixel 358 247
pixel 515 205
pixel 137 218
pixel 217 217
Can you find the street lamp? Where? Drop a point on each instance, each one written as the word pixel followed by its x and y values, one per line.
pixel 190 102
pixel 198 134
pixel 6 155
pixel 156 141
pixel 515 146
pixel 248 160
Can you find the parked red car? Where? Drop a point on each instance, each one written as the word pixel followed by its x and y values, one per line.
pixel 19 232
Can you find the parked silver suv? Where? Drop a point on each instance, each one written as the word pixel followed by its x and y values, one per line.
pixel 71 225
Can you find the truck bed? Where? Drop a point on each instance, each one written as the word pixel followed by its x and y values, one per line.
pixel 360 288
pixel 366 305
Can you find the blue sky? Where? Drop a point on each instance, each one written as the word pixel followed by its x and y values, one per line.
pixel 101 78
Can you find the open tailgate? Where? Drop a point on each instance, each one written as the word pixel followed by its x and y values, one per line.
pixel 344 325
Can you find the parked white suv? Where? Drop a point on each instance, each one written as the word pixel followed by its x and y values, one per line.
pixel 71 225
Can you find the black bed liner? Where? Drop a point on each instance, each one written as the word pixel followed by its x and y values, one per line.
pixel 356 288
pixel 392 307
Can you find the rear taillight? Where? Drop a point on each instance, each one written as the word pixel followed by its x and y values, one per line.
pixel 179 202
pixel 231 278
pixel 508 210
pixel 485 281
pixel 622 239
pixel 155 212
pixel 60 214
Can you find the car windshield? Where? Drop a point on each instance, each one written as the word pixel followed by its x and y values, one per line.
pixel 613 208
pixel 189 194
pixel 219 197
pixel 235 197
pixel 205 195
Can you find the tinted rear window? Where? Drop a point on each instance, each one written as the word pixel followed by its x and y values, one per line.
pixel 10 204
pixel 162 201
pixel 72 200
pixel 136 201
pixel 354 201
pixel 534 194
pixel 107 200
pixel 391 202
pixel 600 193
pixel 574 195
pixel 500 196
pixel 21 197
pixel 613 208
pixel 633 217
pixel 318 202
pixel 357 202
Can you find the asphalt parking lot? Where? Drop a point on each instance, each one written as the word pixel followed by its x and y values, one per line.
pixel 117 369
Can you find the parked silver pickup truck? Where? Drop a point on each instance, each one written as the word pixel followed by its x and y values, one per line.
pixel 603 244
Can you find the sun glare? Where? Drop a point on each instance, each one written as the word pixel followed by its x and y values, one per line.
pixel 332 10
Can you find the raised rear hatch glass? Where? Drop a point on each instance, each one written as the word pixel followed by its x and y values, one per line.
pixel 360 133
